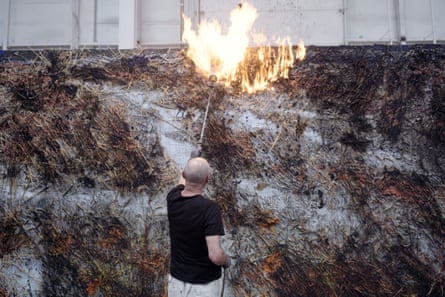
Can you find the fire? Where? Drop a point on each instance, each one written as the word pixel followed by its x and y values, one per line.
pixel 228 57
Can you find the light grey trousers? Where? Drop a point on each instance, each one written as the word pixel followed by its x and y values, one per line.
pixel 178 288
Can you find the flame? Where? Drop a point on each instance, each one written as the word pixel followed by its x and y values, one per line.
pixel 227 55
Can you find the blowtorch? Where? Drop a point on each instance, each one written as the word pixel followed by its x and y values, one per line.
pixel 212 80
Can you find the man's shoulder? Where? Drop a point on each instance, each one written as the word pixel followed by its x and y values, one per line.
pixel 175 192
pixel 206 199
pixel 208 203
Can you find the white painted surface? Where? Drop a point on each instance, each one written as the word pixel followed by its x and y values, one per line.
pixel 316 22
pixel 40 23
pixel 108 21
pixel 420 25
pixel 73 23
pixel 160 22
pixel 389 20
pixel 438 11
pixel 127 24
pixel 4 11
pixel 322 27
pixel 372 21
pixel 87 24
pixel 99 21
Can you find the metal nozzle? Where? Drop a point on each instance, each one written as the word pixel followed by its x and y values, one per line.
pixel 213 77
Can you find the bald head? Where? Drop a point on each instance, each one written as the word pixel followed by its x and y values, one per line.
pixel 196 171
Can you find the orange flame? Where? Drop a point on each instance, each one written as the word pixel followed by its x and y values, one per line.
pixel 227 55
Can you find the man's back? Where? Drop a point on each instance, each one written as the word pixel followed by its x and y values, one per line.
pixel 191 219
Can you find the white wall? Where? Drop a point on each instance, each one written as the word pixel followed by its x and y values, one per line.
pixel 160 22
pixel 424 20
pixel 78 23
pixel 40 23
pixel 54 23
pixel 99 22
pixel 438 18
pixel 389 20
pixel 374 21
pixel 4 11
pixel 335 22
pixel 322 22
pixel 314 21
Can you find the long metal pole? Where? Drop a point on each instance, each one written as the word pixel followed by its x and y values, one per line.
pixel 388 7
pixel 7 22
pixel 75 39
pixel 181 20
pixel 345 22
pixel 212 80
pixel 199 12
pixel 95 22
pixel 401 21
pixel 433 21
pixel 205 119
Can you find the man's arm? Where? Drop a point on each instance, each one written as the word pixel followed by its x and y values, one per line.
pixel 181 179
pixel 216 253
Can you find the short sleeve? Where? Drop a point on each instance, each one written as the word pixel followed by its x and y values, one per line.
pixel 214 225
pixel 175 192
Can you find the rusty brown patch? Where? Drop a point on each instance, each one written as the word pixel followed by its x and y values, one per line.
pixel 272 263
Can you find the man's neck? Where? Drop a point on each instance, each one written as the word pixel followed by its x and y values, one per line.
pixel 190 191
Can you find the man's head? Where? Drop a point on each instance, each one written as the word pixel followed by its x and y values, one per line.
pixel 196 171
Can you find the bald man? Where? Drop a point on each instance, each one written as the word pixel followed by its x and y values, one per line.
pixel 196 228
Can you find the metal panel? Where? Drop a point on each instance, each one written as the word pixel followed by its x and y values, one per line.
pixel 371 21
pixel 107 21
pixel 222 7
pixel 4 11
pixel 218 11
pixel 324 27
pixel 321 4
pixel 87 22
pixel 418 20
pixel 438 11
pixel 40 23
pixel 99 22
pixel 390 20
pixel 160 22
pixel 316 22
pixel 68 23
pixel 322 22
pixel 128 24
pixel 192 10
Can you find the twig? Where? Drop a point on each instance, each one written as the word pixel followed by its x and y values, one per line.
pixel 276 140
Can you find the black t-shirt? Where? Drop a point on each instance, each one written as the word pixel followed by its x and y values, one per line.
pixel 191 219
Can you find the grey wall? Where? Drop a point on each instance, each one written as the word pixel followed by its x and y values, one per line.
pixel 98 22
pixel 35 23
pixel 160 22
pixel 388 20
pixel 78 23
